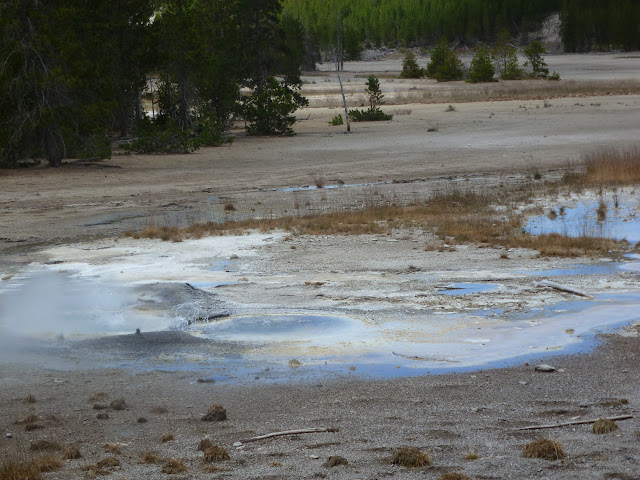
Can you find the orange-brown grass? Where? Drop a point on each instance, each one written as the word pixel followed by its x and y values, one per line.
pixel 544 448
pixel 466 217
pixel 48 463
pixel 173 466
pixel 411 457
pixel 168 437
pixel 454 476
pixel 215 453
pixel 13 470
pixel 608 166
pixel 151 457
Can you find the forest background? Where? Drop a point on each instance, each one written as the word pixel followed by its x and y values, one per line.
pixel 74 74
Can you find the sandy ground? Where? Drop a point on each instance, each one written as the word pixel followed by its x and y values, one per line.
pixel 72 219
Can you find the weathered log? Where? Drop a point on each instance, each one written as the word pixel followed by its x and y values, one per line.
pixel 576 422
pixel 562 288
pixel 290 432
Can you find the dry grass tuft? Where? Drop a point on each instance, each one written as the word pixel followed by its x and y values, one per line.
pixel 544 448
pixel 472 455
pixel 151 457
pixel 30 399
pixel 454 476
pixel 71 452
pixel 31 418
pixel 108 462
pixel 45 445
pixel 319 181
pixel 98 397
pixel 204 444
pixel 604 425
pixel 118 404
pixel 173 466
pixel 48 463
pixel 168 437
pixel 15 470
pixel 112 448
pixel 334 461
pixel 229 207
pixel 216 413
pixel 216 454
pixel 411 457
pixel 94 470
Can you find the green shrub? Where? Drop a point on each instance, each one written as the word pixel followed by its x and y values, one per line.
pixel 369 115
pixel 165 137
pixel 337 120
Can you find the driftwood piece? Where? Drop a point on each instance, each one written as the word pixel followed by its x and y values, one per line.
pixel 290 432
pixel 562 288
pixel 576 422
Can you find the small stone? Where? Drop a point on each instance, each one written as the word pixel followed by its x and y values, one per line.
pixel 238 444
pixel 584 405
pixel 233 257
pixel 545 368
pixel 625 371
pixel 522 382
pixel 9 435
pixel 314 457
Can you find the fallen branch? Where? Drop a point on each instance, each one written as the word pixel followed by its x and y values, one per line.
pixel 290 432
pixel 562 288
pixel 577 422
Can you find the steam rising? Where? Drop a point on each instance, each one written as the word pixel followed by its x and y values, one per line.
pixel 51 303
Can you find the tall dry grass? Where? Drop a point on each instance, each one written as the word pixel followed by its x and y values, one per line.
pixel 613 166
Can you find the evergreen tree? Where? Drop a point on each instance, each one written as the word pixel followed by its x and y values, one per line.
pixel 482 69
pixel 534 54
pixel 410 67
pixel 505 57
pixel 445 65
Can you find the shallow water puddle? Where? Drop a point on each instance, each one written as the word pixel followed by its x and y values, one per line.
pixel 618 223
pixel 309 329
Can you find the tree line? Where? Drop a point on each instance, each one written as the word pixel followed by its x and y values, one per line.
pixel 352 24
pixel 74 74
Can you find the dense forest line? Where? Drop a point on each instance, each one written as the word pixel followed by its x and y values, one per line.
pixel 74 74
pixel 586 24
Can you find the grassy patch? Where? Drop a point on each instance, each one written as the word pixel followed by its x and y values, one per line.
pixel 454 215
pixel 216 413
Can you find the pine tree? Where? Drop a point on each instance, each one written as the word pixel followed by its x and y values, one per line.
pixel 445 65
pixel 482 69
pixel 410 67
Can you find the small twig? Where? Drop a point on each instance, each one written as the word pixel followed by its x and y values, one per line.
pixel 577 422
pixel 290 432
pixel 562 288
